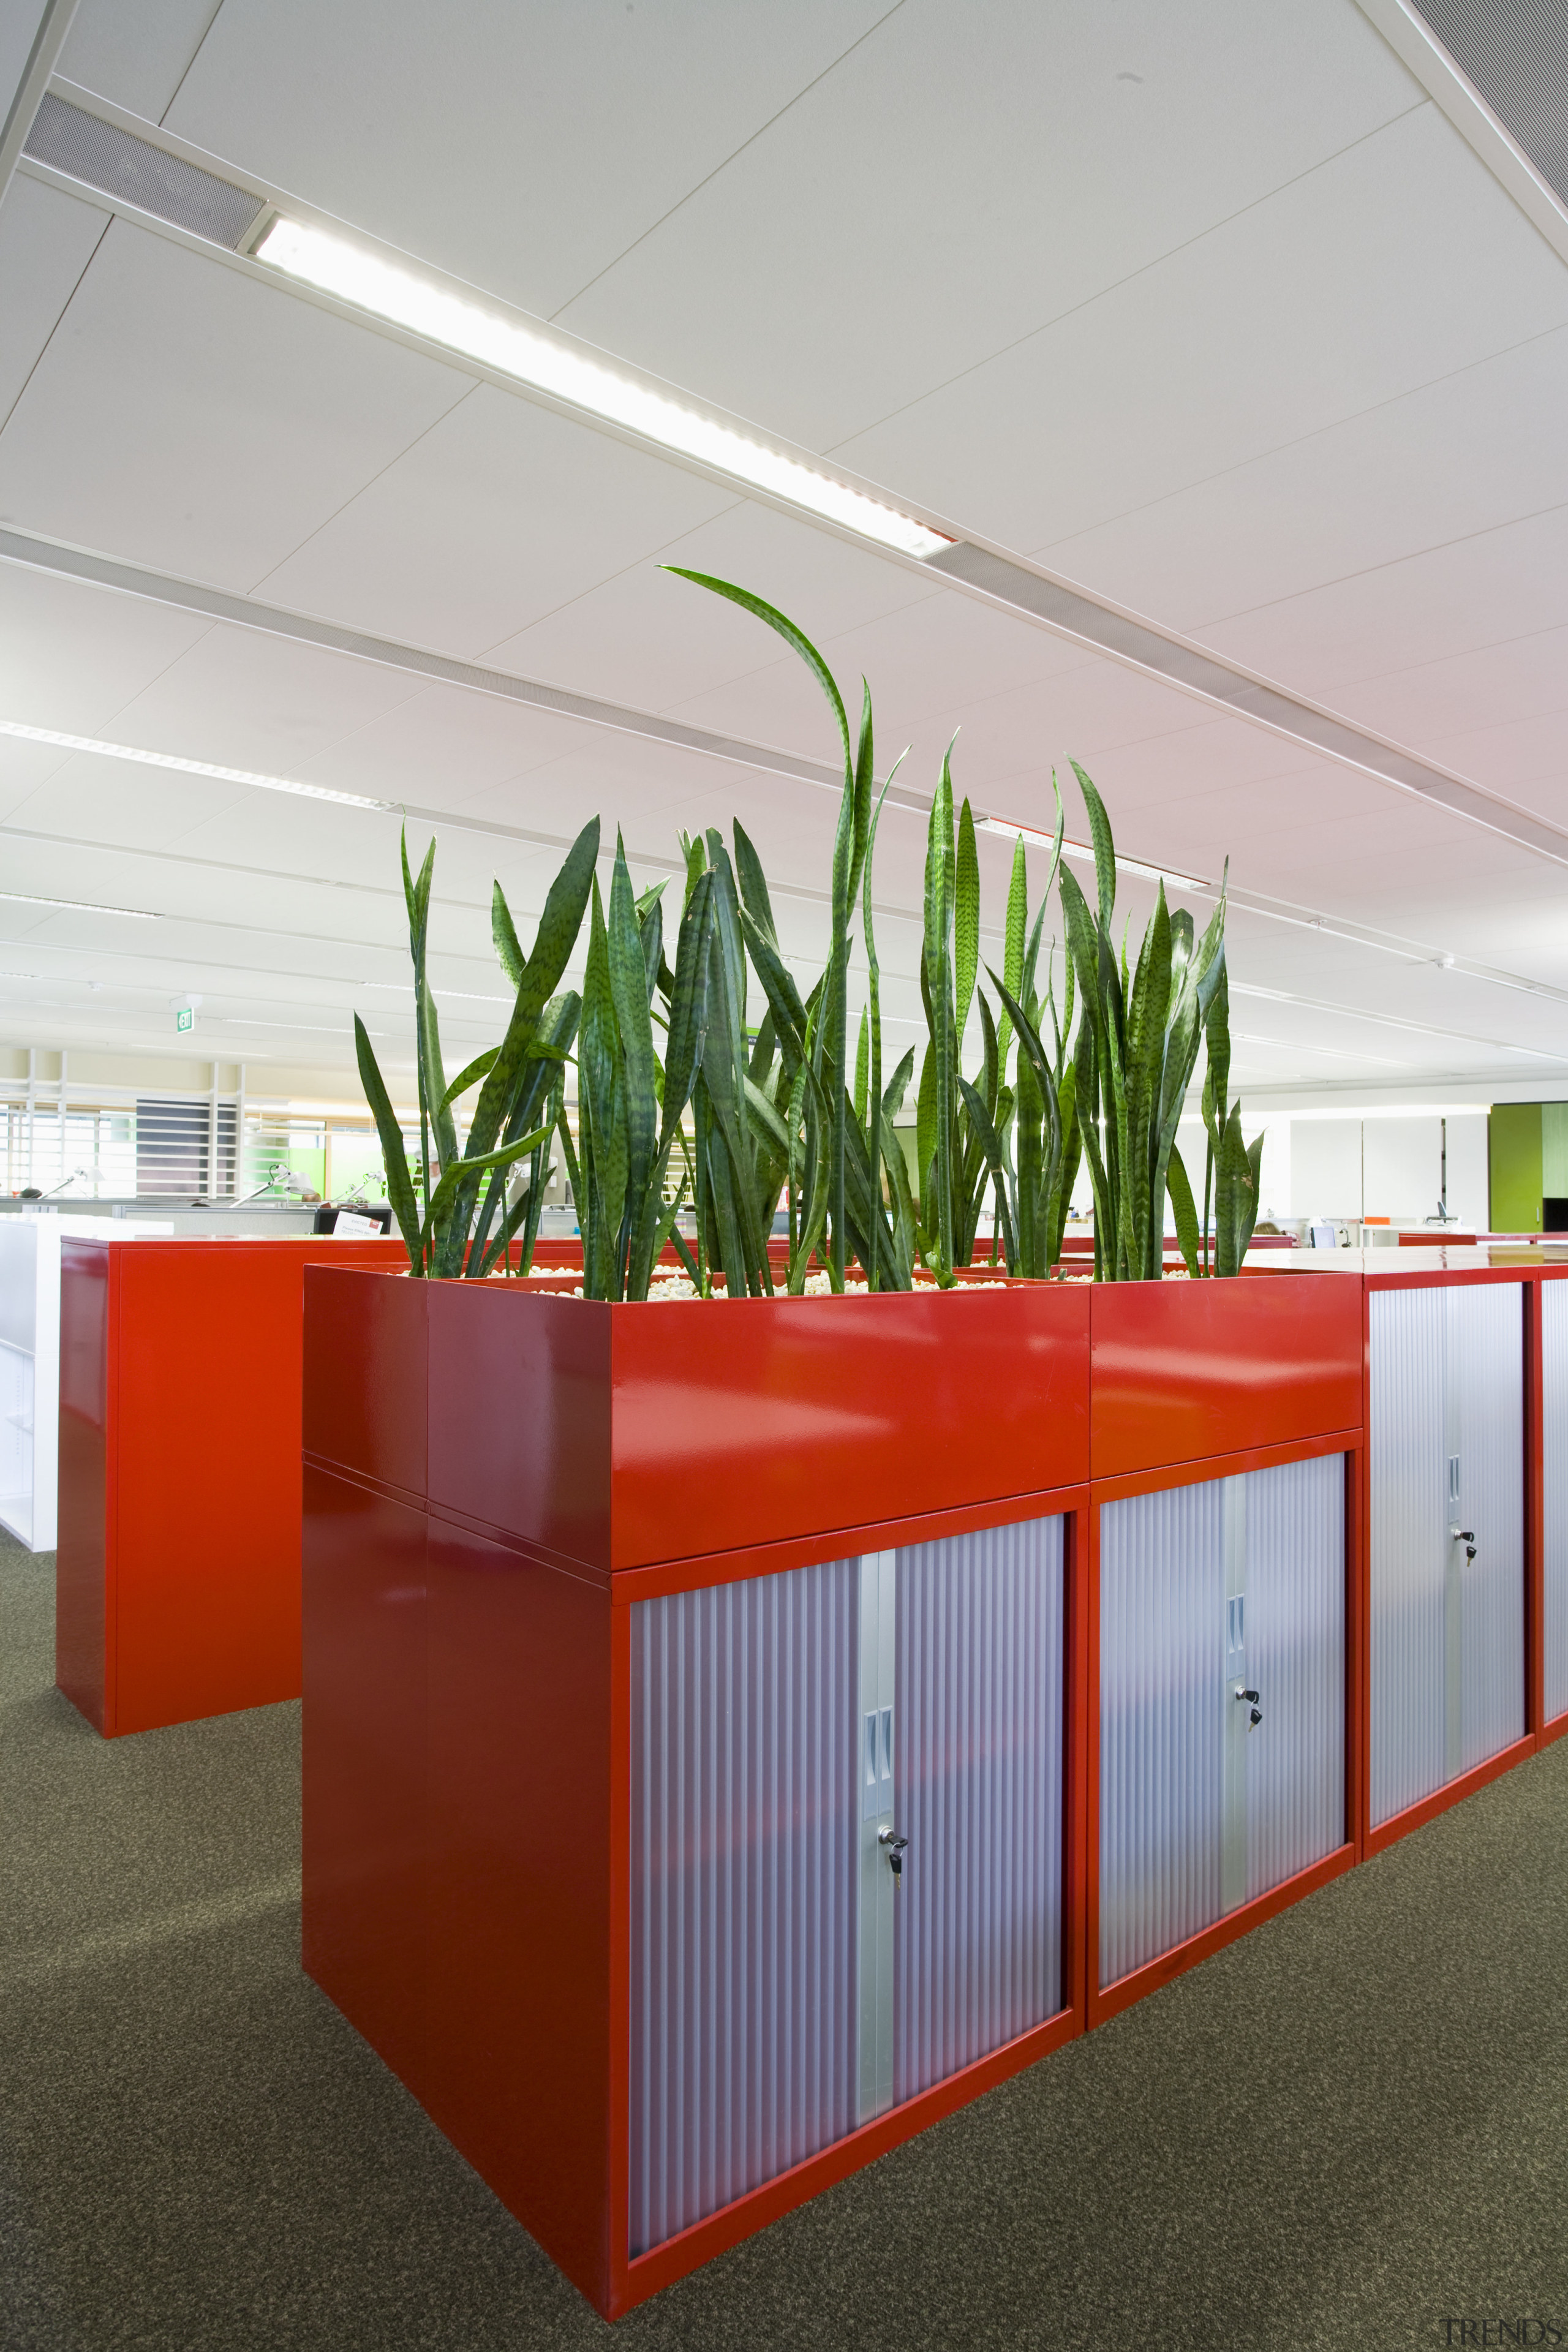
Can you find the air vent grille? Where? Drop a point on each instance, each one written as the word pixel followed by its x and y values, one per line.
pixel 1514 55
pixel 120 165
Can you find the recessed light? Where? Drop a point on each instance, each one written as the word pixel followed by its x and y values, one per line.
pixel 184 767
pixel 1085 854
pixel 404 299
pixel 80 906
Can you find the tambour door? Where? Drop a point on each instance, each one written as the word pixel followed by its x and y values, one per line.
pixel 1221 1700
pixel 846 1849
pixel 1446 1472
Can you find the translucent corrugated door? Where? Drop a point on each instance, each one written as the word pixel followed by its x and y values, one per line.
pixel 847 1793
pixel 1446 1465
pixel 1554 1414
pixel 745 1820
pixel 1221 1699
pixel 978 1793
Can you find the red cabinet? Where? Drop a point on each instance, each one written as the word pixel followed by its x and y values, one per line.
pixel 178 1565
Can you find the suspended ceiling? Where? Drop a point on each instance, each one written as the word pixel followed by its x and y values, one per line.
pixel 1215 313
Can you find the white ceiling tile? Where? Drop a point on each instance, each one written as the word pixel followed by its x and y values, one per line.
pixel 929 656
pixel 1397 262
pixel 189 416
pixel 501 514
pixel 93 799
pixel 46 242
pixel 967 173
pixel 136 57
pixel 1526 759
pixel 444 748
pixel 244 698
pixel 1526 678
pixel 1477 450
pixel 649 640
pixel 1507 582
pixel 70 656
pixel 522 149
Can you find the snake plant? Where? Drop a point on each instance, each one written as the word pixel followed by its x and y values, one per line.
pixel 735 1119
pixel 837 1162
pixel 1137 1045
pixel 1029 1131
pixel 466 1222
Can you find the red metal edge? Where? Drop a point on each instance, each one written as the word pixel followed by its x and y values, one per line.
pixel 1106 2001
pixel 1076 1873
pixel 1091 1694
pixel 687 1575
pixel 1223 1465
pixel 1443 1277
pixel 1360 1738
pixel 1553 1730
pixel 648 2274
pixel 617 2121
pixel 1357 1680
pixel 1533 1471
pixel 1452 1792
pixel 112 1419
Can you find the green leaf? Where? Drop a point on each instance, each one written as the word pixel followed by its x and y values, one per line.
pixel 1147 1006
pixel 1186 1214
pixel 753 884
pixel 628 988
pixel 791 636
pixel 394 1151
pixel 478 1068
pixel 503 932
pixel 940 891
pixel 447 1188
pixel 559 926
pixel 1104 847
pixel 965 921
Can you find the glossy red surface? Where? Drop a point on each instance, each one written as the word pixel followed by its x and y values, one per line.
pixel 364 1830
pixel 82 1601
pixel 521 2040
pixel 364 1376
pixel 179 1595
pixel 615 1437
pixel 1188 1369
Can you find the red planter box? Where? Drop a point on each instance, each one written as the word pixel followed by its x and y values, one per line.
pixel 1189 1371
pixel 177 1575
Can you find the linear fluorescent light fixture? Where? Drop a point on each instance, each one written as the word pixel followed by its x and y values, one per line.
pixel 79 906
pixel 407 300
pixel 1085 854
pixel 184 767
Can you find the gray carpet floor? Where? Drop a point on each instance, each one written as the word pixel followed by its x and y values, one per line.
pixel 1349 2129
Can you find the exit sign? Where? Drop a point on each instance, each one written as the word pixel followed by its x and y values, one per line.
pixel 185 1018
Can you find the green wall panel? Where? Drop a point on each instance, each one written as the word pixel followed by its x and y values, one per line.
pixel 1515 1140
